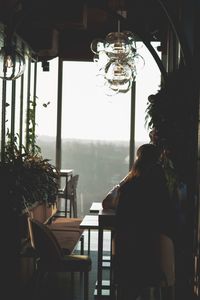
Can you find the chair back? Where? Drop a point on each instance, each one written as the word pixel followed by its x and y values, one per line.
pixel 44 242
pixel 152 264
pixel 70 194
pixel 70 189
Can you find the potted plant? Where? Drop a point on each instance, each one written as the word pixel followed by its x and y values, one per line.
pixel 30 178
pixel 27 180
pixel 169 116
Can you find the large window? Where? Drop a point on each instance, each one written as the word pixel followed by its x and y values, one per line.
pixel 95 133
pixel 95 128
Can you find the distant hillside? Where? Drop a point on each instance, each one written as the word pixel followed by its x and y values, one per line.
pixel 100 164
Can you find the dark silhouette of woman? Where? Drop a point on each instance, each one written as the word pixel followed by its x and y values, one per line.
pixel 143 212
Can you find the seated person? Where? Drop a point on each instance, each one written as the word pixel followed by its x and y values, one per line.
pixel 143 211
pixel 112 198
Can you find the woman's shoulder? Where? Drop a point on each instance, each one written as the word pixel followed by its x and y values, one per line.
pixel 111 199
pixel 129 185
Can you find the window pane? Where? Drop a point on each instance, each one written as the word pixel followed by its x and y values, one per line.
pixel 9 105
pixel 25 102
pixel 46 109
pixel 95 133
pixel 147 83
pixel 17 106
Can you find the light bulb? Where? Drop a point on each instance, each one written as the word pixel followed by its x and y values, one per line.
pixel 116 71
pixel 117 45
pixel 8 63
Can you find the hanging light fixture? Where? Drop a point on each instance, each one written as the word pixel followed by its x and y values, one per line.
pixel 12 63
pixel 116 59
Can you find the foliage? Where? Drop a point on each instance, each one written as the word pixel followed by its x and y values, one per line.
pixel 28 178
pixel 31 136
pixel 31 127
pixel 170 119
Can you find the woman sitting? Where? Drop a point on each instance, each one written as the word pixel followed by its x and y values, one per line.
pixel 143 211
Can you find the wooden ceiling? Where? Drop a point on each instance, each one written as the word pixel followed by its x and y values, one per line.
pixel 66 28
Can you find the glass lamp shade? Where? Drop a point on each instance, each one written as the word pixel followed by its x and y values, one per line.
pixel 119 77
pixel 12 64
pixel 118 72
pixel 121 87
pixel 117 61
pixel 117 45
pixel 97 45
pixel 110 90
pixel 101 59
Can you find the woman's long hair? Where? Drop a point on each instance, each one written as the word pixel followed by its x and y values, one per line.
pixel 147 156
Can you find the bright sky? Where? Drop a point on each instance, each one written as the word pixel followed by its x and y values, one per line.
pixel 87 112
